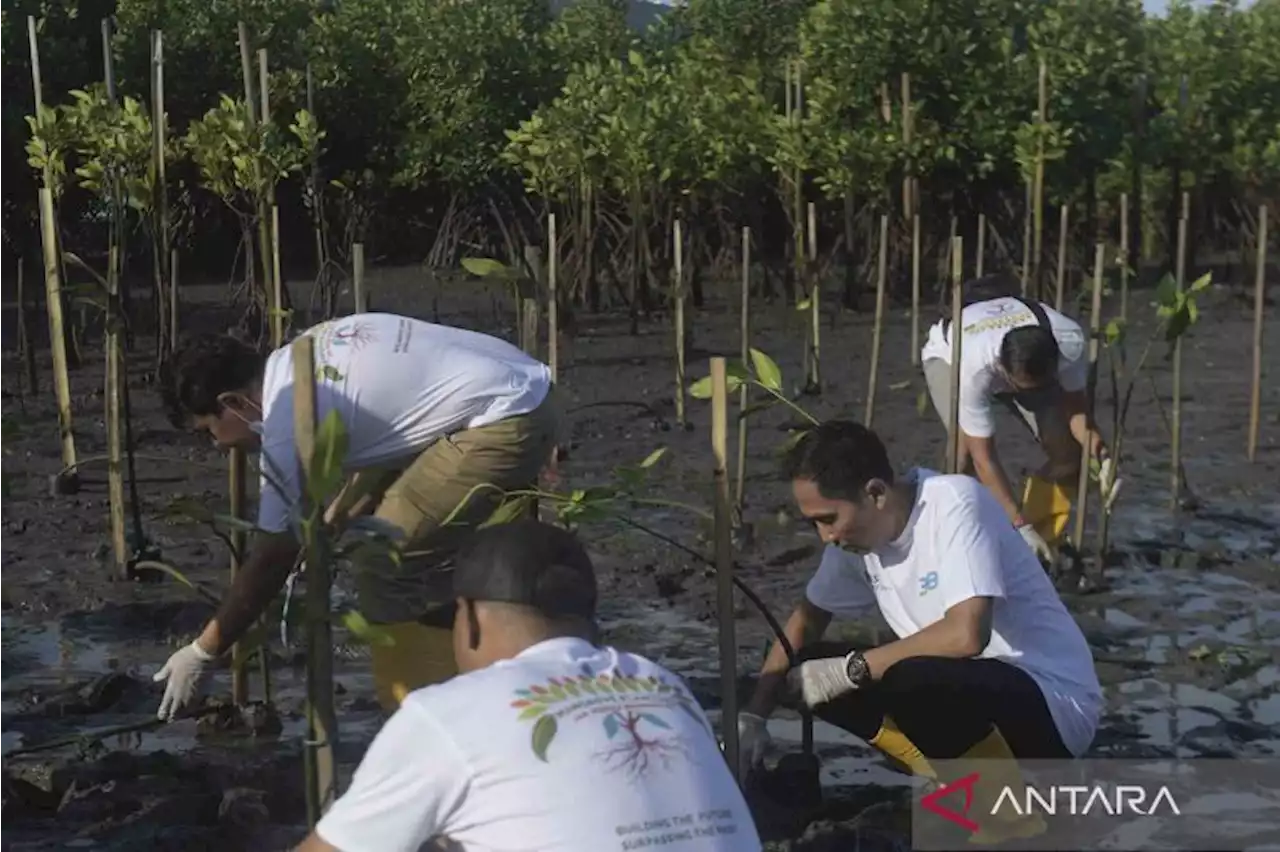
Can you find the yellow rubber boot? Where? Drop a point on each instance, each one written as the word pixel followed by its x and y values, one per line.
pixel 415 656
pixel 894 743
pixel 997 770
pixel 1047 507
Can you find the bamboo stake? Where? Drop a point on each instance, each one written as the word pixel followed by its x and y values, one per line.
pixel 26 342
pixel 1175 444
pixel 322 785
pixel 313 181
pixel 744 333
pixel 173 303
pixel 815 300
pixel 357 277
pixel 980 260
pixel 881 273
pixel 57 340
pixel 915 289
pixel 1028 214
pixel 1042 117
pixel 553 300
pixel 239 673
pixel 724 565
pixel 908 181
pixel 1124 256
pixel 277 283
pixel 678 299
pixel 1086 451
pixel 161 249
pixel 528 302
pixel 1061 282
pixel 957 332
pixel 115 474
pixel 1259 292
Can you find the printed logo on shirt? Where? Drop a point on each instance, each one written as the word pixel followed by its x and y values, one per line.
pixel 633 715
pixel 345 333
pixel 928 583
pixel 991 323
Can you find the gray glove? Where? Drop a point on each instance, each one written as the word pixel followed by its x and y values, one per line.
pixel 753 742
pixel 818 681
pixel 185 674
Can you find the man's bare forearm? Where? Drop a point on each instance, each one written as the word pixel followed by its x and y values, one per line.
pixel 806 624
pixel 259 579
pixel 991 474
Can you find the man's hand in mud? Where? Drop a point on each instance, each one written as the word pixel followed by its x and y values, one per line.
pixel 184 675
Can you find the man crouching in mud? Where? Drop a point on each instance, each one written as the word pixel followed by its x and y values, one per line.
pixel 431 414
pixel 988 663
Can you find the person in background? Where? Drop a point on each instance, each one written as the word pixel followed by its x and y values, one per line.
pixel 1033 360
pixel 433 415
pixel 548 740
pixel 988 664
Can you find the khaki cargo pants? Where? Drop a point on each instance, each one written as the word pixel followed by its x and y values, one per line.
pixel 412 601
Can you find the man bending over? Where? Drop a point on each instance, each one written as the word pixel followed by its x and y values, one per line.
pixel 988 663
pixel 547 740
pixel 431 413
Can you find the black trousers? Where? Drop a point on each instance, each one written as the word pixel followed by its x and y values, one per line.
pixel 945 706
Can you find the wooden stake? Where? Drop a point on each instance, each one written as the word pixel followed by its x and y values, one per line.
pixel 357 277
pixel 815 302
pixel 1063 228
pixel 908 182
pixel 236 486
pixel 957 332
pixel 313 180
pixel 915 290
pixel 528 302
pixel 1259 293
pixel 1124 256
pixel 1175 444
pixel 115 471
pixel 1042 117
pixel 881 273
pixel 1086 451
pixel 724 565
pixel 980 260
pixel 1028 215
pixel 164 281
pixel 277 284
pixel 678 299
pixel 322 782
pixel 744 334
pixel 57 339
pixel 553 301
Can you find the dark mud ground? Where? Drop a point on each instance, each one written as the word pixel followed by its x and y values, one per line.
pixel 1186 629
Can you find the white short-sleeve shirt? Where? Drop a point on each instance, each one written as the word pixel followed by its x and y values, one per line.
pixel 985 325
pixel 398 384
pixel 958 544
pixel 568 747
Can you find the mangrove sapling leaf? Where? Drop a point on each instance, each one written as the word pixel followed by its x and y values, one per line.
pixel 510 510
pixel 487 267
pixel 369 634
pixel 327 465
pixel 653 457
pixel 767 371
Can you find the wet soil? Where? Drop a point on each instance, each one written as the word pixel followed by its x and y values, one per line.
pixel 1185 626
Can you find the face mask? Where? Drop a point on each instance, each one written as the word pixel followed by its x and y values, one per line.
pixel 255 426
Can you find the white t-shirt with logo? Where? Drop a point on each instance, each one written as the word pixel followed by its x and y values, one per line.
pixel 567 746
pixel 985 325
pixel 398 384
pixel 958 544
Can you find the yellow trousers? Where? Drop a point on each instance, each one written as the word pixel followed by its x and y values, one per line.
pixel 421 656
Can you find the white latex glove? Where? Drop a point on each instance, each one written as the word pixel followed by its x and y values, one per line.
pixel 819 681
pixel 1037 543
pixel 753 742
pixel 185 674
pixel 1108 483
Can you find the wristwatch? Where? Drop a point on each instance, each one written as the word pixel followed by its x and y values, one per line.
pixel 856 669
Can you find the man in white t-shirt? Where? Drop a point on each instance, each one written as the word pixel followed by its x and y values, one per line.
pixel 988 662
pixel 1033 360
pixel 433 414
pixel 547 740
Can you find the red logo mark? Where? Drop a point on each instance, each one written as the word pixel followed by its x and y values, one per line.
pixel 961 818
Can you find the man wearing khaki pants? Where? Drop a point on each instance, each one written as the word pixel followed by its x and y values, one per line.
pixel 440 422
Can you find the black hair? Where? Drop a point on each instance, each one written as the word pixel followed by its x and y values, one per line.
pixel 1030 351
pixel 201 369
pixel 531 564
pixel 840 457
